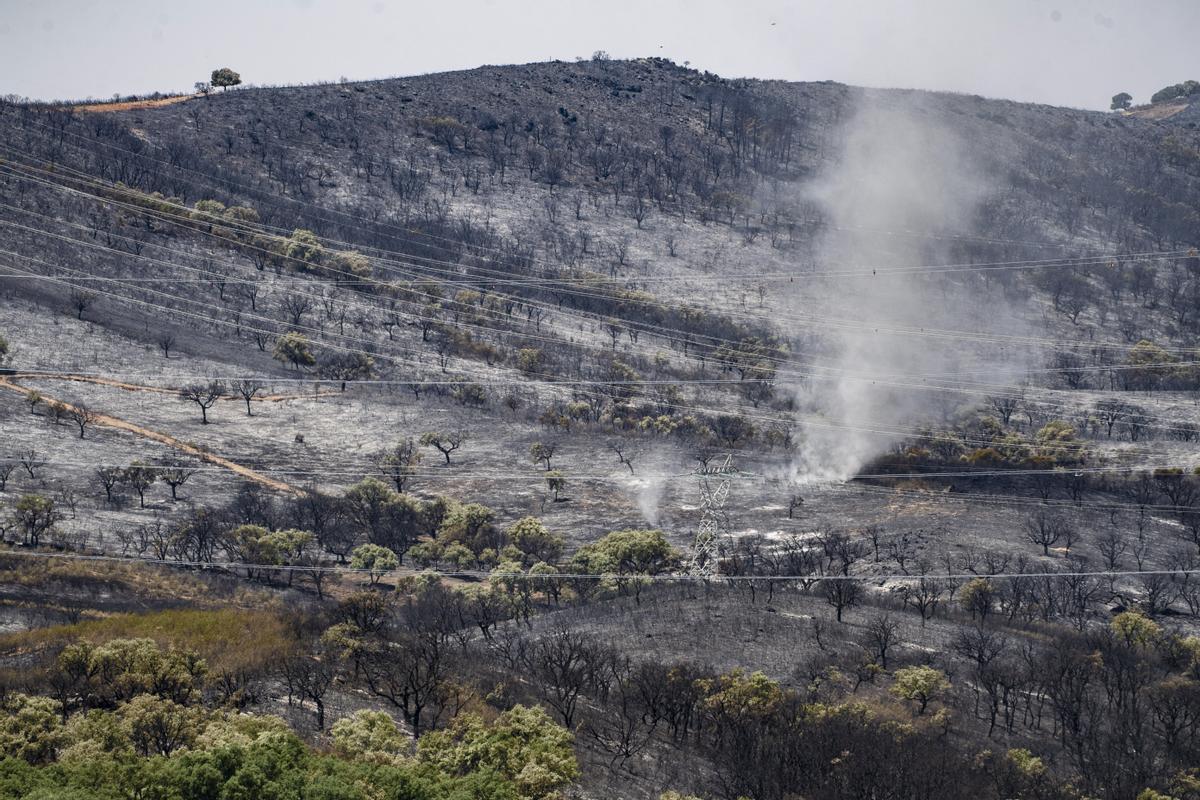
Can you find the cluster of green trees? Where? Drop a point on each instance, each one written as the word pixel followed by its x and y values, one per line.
pixel 152 746
pixel 1184 89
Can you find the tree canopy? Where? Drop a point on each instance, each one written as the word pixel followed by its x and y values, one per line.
pixel 224 77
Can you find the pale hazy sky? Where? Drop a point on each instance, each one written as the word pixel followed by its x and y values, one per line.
pixel 1066 52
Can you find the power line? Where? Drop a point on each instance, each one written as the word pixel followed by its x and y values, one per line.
pixel 186 300
pixel 847 271
pixel 432 237
pixel 661 577
pixel 923 331
pixel 791 372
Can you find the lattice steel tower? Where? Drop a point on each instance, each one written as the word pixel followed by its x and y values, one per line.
pixel 714 522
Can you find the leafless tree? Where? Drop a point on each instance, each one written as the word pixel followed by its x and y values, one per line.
pixel 882 633
pixel 248 388
pixel 176 477
pixel 109 477
pixel 32 462
pixel 296 306
pixel 82 416
pixel 1112 411
pixel 924 596
pixel 1045 528
pixel 141 477
pixel 622 458
pixel 204 395
pixel 841 593
pixel 1158 592
pixel 310 675
pixel 1005 405
pixel 250 290
pixel 1112 545
pixel 562 661
pixel 795 503
pixel 6 469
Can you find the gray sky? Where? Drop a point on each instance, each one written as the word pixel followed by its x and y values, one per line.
pixel 1065 52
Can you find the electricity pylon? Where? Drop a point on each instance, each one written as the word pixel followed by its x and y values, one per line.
pixel 714 523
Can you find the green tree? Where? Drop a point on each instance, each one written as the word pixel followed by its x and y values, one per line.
pixel 224 77
pixel 367 505
pixel 523 746
pixel 3 349
pixel 1135 629
pixel 344 367
pixel 293 348
pixel 1185 89
pixel 977 597
pixel 120 669
pixel 737 699
pixel 370 736
pixel 1121 101
pixel 529 360
pixel 350 265
pixel 36 516
pixel 459 557
pixel 1150 364
pixel 541 453
pixel 158 726
pixel 629 555
pixel 445 130
pixel 535 540
pixel 303 249
pixel 208 209
pixel 375 559
pixel 628 552
pixel 399 463
pixel 472 524
pixel 919 684
pixel 445 442
pixel 259 547
pixel 30 728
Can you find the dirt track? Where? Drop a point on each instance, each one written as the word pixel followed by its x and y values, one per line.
pixel 133 104
pixel 116 423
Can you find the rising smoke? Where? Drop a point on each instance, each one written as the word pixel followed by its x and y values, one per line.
pixel 902 185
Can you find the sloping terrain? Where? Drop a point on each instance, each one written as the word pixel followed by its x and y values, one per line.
pixel 485 319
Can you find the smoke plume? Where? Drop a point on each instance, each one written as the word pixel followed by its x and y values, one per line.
pixel 902 187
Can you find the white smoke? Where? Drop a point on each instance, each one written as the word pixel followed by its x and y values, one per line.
pixel 649 492
pixel 901 185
